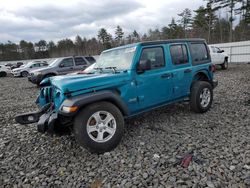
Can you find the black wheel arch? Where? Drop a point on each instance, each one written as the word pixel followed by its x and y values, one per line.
pixel 226 58
pixel 201 76
pixel 49 74
pixel 82 101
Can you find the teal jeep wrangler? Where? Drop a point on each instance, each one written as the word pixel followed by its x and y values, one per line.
pixel 125 82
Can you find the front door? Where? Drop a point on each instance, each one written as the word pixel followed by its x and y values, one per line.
pixel 66 66
pixel 154 86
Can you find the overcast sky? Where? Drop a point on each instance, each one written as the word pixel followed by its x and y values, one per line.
pixel 33 20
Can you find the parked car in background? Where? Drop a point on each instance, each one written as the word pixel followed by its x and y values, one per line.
pixel 9 65
pixel 127 80
pixel 59 66
pixel 4 70
pixel 88 70
pixel 24 70
pixel 218 57
pixel 16 65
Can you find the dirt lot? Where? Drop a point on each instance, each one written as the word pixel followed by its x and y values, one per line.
pixel 146 157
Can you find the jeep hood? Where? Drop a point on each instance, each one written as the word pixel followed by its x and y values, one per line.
pixel 89 82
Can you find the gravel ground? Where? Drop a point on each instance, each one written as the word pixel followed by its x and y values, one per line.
pixel 148 153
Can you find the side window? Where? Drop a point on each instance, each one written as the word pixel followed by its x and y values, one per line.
pixel 90 59
pixel 43 64
pixel 214 49
pixel 67 62
pixel 199 53
pixel 217 49
pixel 36 65
pixel 179 54
pixel 80 61
pixel 155 55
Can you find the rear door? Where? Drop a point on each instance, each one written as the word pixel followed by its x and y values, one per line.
pixel 182 69
pixel 80 63
pixel 66 66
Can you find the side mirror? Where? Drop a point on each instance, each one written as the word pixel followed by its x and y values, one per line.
pixel 221 51
pixel 61 65
pixel 143 66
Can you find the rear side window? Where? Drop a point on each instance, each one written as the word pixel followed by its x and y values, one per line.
pixel 67 62
pixel 179 54
pixel 90 59
pixel 80 61
pixel 155 55
pixel 199 53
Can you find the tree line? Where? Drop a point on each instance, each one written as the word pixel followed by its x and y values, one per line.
pixel 205 22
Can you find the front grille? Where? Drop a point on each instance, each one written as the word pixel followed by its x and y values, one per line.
pixel 48 93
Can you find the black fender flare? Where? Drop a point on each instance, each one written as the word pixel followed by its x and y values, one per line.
pixel 86 99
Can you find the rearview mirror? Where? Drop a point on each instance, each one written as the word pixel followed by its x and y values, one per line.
pixel 143 66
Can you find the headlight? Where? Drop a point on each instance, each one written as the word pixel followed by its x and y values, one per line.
pixel 69 109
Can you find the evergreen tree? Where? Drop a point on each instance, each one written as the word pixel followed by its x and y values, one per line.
pixel 118 35
pixel 231 5
pixel 186 20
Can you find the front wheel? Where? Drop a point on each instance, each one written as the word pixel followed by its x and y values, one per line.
pixel 201 96
pixel 24 74
pixel 3 74
pixel 224 66
pixel 99 127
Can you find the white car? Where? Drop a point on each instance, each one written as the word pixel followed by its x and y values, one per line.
pixel 24 70
pixel 218 56
pixel 4 70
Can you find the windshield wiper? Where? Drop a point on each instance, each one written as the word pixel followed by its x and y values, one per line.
pixel 113 68
pixel 99 68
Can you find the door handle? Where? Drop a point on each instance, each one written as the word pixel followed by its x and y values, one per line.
pixel 71 67
pixel 167 75
pixel 187 71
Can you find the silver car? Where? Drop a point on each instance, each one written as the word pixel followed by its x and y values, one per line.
pixel 24 70
pixel 60 66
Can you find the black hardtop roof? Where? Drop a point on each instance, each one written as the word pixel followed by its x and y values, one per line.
pixel 171 41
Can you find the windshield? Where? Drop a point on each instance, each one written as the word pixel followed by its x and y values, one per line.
pixel 120 59
pixel 54 62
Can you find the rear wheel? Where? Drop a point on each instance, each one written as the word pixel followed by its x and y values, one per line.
pixel 224 66
pixel 24 74
pixel 99 127
pixel 201 96
pixel 3 74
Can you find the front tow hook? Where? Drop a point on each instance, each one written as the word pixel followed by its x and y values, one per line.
pixel 31 117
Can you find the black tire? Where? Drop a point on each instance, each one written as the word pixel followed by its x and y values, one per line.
pixel 224 66
pixel 80 127
pixel 195 99
pixel 24 74
pixel 3 74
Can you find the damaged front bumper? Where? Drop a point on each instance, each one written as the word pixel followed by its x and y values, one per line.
pixel 45 118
